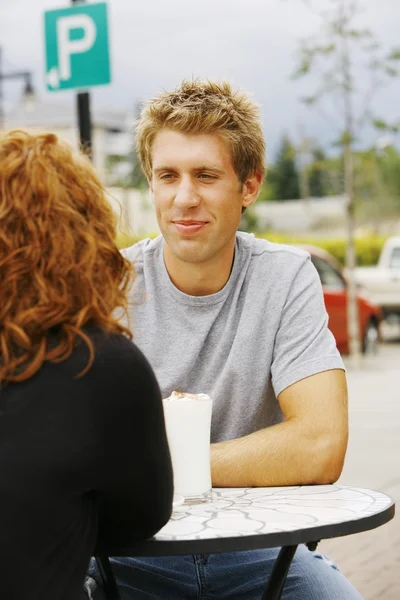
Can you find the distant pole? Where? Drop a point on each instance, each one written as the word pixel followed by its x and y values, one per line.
pixel 84 116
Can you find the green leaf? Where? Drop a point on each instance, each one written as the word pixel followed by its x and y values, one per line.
pixel 302 70
pixel 391 71
pixel 380 124
pixel 395 54
pixel 326 49
pixel 384 126
pixel 309 100
pixel 346 138
pixel 358 34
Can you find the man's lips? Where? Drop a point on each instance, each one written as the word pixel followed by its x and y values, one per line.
pixel 189 222
pixel 189 227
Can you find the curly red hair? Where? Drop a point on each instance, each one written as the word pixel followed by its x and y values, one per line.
pixel 60 269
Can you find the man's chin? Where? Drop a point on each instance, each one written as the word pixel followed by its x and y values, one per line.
pixel 190 257
pixel 188 251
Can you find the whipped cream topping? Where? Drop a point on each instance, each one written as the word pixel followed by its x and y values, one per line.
pixel 186 396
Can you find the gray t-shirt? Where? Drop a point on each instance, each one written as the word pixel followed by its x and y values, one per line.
pixel 265 330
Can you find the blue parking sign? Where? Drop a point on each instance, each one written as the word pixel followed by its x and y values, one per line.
pixel 77 47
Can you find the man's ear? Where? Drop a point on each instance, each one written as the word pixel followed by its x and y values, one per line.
pixel 251 188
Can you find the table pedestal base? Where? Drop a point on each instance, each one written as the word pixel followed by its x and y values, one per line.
pixel 274 588
pixel 107 577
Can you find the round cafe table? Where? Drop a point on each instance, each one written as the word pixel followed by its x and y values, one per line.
pixel 252 518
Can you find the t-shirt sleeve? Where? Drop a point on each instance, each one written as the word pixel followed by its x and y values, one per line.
pixel 304 345
pixel 134 482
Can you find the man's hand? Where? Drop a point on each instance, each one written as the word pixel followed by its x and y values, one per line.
pixel 309 447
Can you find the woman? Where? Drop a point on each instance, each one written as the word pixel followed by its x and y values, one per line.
pixel 83 450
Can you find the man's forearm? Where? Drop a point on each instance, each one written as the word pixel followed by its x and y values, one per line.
pixel 276 456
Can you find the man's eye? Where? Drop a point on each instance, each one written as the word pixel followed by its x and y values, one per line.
pixel 206 176
pixel 166 176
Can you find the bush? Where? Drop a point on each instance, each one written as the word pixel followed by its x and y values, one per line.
pixel 124 240
pixel 368 248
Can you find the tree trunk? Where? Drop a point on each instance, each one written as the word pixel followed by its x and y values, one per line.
pixel 353 321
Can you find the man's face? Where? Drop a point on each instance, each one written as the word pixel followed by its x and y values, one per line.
pixel 197 195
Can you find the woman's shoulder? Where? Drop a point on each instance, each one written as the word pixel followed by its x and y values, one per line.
pixel 114 348
pixel 119 371
pixel 112 356
pixel 122 372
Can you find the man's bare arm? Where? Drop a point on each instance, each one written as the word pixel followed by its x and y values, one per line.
pixel 307 448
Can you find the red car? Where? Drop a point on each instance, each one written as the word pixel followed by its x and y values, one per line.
pixel 335 293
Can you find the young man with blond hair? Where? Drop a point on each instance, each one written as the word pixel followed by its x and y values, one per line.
pixel 242 320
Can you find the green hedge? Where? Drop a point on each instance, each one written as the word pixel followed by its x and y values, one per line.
pixel 124 240
pixel 368 248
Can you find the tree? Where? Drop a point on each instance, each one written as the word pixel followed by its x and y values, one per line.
pixel 377 182
pixel 132 175
pixel 335 174
pixel 317 174
pixel 330 55
pixel 267 191
pixel 388 160
pixel 283 174
pixel 137 178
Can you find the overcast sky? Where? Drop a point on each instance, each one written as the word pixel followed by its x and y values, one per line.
pixel 156 43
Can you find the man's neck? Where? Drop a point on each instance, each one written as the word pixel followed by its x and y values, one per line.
pixel 198 279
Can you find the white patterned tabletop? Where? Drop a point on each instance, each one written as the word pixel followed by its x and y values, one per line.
pixel 242 512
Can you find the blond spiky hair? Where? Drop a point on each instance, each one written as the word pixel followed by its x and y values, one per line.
pixel 206 107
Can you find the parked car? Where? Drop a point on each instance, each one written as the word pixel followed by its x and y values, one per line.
pixel 382 282
pixel 335 294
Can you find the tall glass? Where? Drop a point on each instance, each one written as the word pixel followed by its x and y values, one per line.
pixel 188 425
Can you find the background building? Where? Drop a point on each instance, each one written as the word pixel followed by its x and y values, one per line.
pixel 111 131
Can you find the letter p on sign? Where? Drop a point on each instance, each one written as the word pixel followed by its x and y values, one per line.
pixel 68 46
pixel 77 53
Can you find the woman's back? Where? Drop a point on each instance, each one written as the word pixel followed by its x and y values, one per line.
pixel 80 460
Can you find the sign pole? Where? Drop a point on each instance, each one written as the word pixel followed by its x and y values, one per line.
pixel 84 122
pixel 84 117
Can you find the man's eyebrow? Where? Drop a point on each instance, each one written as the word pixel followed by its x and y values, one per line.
pixel 213 168
pixel 163 168
pixel 209 168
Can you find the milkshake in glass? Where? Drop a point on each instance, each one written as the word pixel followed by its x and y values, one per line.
pixel 188 425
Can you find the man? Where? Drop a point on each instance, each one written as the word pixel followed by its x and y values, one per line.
pixel 242 320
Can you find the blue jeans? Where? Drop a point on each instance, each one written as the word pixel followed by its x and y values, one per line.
pixel 228 576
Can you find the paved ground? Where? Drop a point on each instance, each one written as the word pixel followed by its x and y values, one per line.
pixel 371 560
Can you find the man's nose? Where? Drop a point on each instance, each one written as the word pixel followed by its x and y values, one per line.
pixel 186 194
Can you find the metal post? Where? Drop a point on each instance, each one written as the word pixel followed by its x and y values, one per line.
pixel 84 116
pixel 274 588
pixel 84 122
pixel 110 587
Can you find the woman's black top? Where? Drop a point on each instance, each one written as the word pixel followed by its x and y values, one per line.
pixel 81 460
